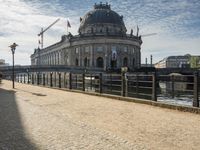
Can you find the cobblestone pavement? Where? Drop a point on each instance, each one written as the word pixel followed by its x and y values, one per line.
pixel 34 117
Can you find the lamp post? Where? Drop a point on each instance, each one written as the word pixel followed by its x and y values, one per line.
pixel 13 47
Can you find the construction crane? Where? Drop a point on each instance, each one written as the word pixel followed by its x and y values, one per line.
pixel 150 34
pixel 44 30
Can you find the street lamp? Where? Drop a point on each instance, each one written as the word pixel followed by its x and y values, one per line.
pixel 13 47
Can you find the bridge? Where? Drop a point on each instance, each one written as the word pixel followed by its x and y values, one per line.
pixel 7 70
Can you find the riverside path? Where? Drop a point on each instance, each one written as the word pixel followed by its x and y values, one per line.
pixel 39 118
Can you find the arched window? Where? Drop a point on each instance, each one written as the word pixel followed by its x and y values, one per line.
pixel 99 62
pixel 76 62
pixel 125 62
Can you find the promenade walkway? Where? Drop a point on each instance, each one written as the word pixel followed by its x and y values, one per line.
pixel 34 117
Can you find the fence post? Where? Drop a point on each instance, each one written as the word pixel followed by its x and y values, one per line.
pixel 38 82
pixel 51 84
pixel 21 78
pixel 123 84
pixel 47 79
pixel 91 81
pixel 43 79
pixel 196 94
pixel 28 79
pixel 172 78
pixel 76 80
pixel 70 80
pixel 17 78
pixel 83 81
pixel 32 78
pixel 24 78
pixel 154 92
pixel 59 76
pixel 137 85
pixel 100 83
pixel 126 85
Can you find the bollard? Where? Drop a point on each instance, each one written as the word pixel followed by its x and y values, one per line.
pixel 154 92
pixel 100 83
pixel 83 81
pixel 196 94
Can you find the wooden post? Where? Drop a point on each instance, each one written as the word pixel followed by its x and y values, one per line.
pixel 100 83
pixel 70 80
pixel 51 82
pixel 59 79
pixel 83 81
pixel 196 94
pixel 154 91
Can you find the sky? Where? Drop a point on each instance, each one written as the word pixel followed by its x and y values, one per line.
pixel 176 22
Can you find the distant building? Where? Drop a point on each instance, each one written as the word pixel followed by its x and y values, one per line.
pixel 102 42
pixel 195 61
pixel 2 63
pixel 174 62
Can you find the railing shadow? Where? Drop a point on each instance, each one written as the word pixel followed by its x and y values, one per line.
pixel 12 133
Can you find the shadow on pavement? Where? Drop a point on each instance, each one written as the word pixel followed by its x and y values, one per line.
pixel 12 134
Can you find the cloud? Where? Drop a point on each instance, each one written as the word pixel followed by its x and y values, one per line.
pixel 177 24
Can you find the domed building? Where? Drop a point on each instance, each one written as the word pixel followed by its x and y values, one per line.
pixel 102 42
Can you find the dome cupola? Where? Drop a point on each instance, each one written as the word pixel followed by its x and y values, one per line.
pixel 102 20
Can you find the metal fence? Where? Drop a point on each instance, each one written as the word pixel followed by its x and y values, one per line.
pixel 178 89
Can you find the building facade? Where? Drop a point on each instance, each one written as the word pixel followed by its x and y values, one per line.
pixel 102 42
pixel 174 62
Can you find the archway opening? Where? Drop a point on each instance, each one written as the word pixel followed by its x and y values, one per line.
pixel 125 62
pixel 76 62
pixel 113 64
pixel 99 62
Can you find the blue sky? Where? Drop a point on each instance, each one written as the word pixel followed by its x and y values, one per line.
pixel 176 22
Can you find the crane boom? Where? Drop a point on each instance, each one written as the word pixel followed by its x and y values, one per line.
pixel 150 34
pixel 42 31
